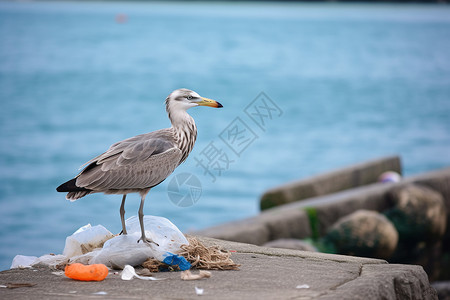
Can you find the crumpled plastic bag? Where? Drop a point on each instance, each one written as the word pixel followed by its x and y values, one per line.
pixel 51 261
pixel 86 239
pixel 161 231
pixel 23 261
pixel 125 250
pixel 48 260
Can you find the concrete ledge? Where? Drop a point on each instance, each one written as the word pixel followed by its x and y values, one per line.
pixel 265 274
pixel 330 182
pixel 292 221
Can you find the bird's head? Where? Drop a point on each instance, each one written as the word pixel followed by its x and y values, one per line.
pixel 183 99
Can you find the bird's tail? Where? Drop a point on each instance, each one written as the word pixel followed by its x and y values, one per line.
pixel 74 192
pixel 72 196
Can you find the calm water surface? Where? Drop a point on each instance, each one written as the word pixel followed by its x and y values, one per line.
pixel 351 81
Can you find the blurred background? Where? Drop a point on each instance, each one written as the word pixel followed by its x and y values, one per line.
pixel 352 81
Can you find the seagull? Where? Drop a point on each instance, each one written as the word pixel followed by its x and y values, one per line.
pixel 139 163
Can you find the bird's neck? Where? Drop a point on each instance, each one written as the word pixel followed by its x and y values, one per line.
pixel 185 132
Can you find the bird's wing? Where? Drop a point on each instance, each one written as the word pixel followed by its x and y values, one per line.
pixel 139 162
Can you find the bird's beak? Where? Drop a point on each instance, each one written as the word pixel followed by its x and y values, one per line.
pixel 209 102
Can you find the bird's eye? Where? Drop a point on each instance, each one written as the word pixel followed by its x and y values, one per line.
pixel 189 97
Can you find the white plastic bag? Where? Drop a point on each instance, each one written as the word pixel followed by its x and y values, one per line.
pixel 86 239
pixel 22 261
pixel 51 261
pixel 125 250
pixel 161 231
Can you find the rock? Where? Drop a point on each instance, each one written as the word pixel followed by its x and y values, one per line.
pixel 443 289
pixel 363 233
pixel 290 244
pixel 418 213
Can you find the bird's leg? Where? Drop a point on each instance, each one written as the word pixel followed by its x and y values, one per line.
pixel 141 222
pixel 122 214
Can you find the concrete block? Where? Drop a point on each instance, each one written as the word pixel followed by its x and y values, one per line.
pixel 330 182
pixel 263 228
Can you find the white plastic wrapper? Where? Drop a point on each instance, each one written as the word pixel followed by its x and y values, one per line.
pixel 129 273
pixel 22 261
pixel 86 239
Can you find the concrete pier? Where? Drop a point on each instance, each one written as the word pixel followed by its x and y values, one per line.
pixel 265 273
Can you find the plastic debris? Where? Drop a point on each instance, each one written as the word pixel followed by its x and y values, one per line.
pixel 199 291
pixel 51 261
pixel 125 250
pixel 97 245
pixel 302 286
pixel 100 293
pixel 18 285
pixel 390 176
pixel 129 273
pixel 187 275
pixel 160 230
pixel 22 261
pixel 86 239
pixel 58 273
pixel 176 260
pixel 96 272
pixel 122 250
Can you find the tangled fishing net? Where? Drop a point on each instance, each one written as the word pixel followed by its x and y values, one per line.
pixel 199 256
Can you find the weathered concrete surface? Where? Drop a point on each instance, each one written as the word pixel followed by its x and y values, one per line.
pixel 291 220
pixel 276 223
pixel 266 273
pixel 330 182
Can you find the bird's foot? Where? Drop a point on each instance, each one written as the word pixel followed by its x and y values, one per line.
pixel 147 241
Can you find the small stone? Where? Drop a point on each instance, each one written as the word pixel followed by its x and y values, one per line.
pixel 290 244
pixel 363 233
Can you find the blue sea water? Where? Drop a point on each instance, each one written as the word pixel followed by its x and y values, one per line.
pixel 346 83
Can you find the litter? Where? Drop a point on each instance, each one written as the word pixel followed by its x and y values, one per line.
pixel 187 275
pixel 303 286
pixel 18 285
pixel 199 291
pixel 86 239
pixel 123 250
pixel 209 258
pixel 58 273
pixel 176 260
pixel 96 272
pixel 129 273
pixel 199 256
pixel 162 231
pixel 22 261
pixel 51 261
pixel 100 293
pixel 173 252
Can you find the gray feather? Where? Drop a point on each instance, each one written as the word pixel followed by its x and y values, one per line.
pixel 139 162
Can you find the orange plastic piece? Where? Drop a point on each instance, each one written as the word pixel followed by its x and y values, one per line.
pixel 82 272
